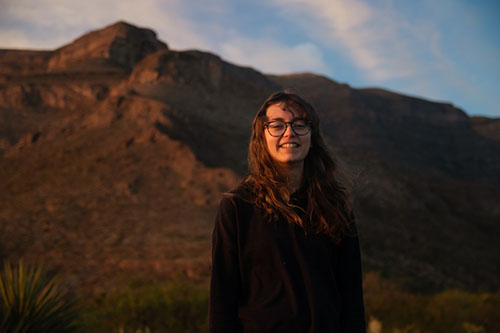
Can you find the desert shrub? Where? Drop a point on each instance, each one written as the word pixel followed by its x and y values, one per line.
pixel 462 311
pixel 174 306
pixel 397 310
pixel 390 303
pixel 31 302
pixel 179 305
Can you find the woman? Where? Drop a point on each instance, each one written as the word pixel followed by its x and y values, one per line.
pixel 285 254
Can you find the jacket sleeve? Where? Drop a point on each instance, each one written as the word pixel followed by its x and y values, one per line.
pixel 225 278
pixel 351 284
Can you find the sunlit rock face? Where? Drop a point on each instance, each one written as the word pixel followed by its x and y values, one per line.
pixel 120 44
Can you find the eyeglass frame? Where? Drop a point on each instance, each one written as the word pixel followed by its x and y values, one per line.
pixel 308 122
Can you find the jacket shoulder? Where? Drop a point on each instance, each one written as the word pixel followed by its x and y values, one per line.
pixel 237 202
pixel 242 193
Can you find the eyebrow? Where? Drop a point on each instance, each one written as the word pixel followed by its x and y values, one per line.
pixel 283 120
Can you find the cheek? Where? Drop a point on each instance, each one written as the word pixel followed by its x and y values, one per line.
pixel 270 143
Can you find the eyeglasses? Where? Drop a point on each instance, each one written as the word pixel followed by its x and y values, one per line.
pixel 278 127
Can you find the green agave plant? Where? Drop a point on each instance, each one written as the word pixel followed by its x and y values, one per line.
pixel 29 302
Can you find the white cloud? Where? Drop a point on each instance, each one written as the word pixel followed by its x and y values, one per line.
pixel 271 57
pixel 68 19
pixel 373 37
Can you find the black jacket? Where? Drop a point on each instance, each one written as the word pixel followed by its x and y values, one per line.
pixel 272 277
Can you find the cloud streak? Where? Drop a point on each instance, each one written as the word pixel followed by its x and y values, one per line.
pixel 374 38
pixel 367 35
pixel 272 57
pixel 67 19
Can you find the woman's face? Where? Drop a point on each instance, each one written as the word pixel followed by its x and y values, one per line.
pixel 289 148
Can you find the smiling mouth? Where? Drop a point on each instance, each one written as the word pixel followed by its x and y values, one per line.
pixel 289 145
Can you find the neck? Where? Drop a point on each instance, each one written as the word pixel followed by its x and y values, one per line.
pixel 294 172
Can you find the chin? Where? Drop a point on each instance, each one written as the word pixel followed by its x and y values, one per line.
pixel 290 161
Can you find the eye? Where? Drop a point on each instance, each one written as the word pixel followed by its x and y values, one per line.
pixel 300 124
pixel 276 125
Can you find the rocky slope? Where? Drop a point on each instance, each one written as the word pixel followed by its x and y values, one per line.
pixel 115 150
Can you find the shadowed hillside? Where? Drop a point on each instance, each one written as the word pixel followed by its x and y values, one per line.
pixel 114 151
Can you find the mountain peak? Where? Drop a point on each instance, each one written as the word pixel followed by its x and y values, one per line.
pixel 120 24
pixel 121 44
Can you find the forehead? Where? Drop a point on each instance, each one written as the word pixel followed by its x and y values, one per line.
pixel 284 111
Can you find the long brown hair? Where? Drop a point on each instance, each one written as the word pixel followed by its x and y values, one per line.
pixel 328 208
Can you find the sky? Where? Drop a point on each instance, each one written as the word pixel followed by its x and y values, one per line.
pixel 445 51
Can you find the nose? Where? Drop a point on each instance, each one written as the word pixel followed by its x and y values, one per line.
pixel 288 130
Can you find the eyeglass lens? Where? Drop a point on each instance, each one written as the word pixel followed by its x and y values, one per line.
pixel 277 128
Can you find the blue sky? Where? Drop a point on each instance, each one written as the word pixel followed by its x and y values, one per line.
pixel 447 50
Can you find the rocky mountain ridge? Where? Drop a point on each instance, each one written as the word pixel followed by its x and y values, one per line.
pixel 115 149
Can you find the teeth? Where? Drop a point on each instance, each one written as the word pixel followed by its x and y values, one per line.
pixel 289 145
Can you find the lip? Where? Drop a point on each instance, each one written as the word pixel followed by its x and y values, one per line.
pixel 289 143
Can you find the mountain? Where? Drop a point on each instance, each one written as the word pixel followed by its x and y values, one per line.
pixel 115 149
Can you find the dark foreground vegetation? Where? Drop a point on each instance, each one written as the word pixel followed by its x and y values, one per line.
pixel 174 306
pixel 32 301
pixel 181 305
